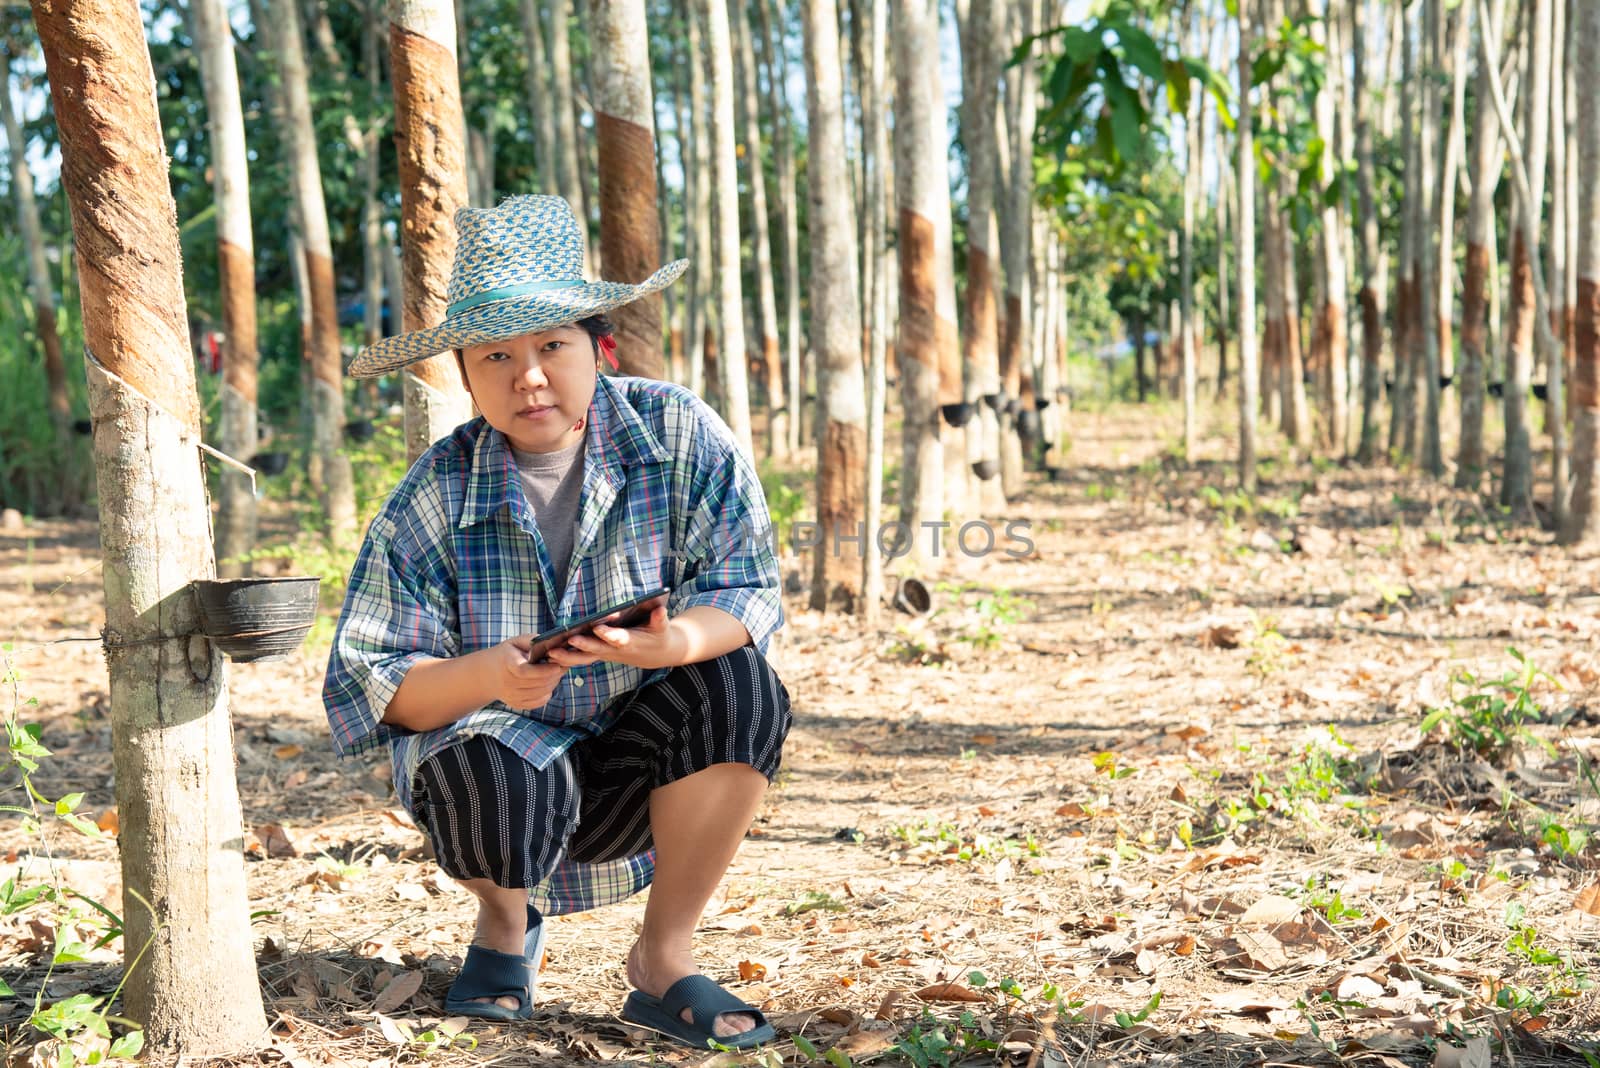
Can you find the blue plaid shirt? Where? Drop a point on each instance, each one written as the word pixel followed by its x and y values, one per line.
pixel 453 563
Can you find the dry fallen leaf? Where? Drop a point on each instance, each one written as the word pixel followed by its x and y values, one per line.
pixel 890 1000
pixel 1220 636
pixel 399 991
pixel 752 970
pixel 953 992
pixel 275 840
pixel 1474 1055
pixel 1262 951
pixel 1272 909
pixel 288 752
pixel 1588 899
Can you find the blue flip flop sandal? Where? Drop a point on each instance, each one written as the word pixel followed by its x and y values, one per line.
pixel 488 973
pixel 705 1001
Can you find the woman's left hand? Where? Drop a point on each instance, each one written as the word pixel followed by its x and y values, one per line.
pixel 653 645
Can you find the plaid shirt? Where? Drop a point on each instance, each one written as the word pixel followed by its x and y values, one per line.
pixel 453 563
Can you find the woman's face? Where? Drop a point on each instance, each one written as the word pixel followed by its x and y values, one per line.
pixel 534 389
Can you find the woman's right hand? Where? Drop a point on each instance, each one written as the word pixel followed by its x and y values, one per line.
pixel 518 683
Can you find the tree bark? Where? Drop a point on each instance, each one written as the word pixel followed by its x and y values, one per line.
pixel 836 324
pixel 630 225
pixel 236 518
pixel 1374 259
pixel 1583 517
pixel 1402 414
pixel 1556 273
pixel 927 325
pixel 1332 344
pixel 1527 221
pixel 1189 330
pixel 1432 247
pixel 876 138
pixel 371 206
pixel 1016 222
pixel 770 362
pixel 1223 222
pixel 731 368
pixel 540 105
pixel 569 168
pixel 330 468
pixel 39 288
pixel 1245 214
pixel 980 338
pixel 1516 490
pixel 194 989
pixel 702 309
pixel 430 141
pixel 1471 457
pixel 783 165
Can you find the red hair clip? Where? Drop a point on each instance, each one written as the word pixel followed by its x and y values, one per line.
pixel 608 348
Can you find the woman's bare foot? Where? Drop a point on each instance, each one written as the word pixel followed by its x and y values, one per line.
pixel 655 971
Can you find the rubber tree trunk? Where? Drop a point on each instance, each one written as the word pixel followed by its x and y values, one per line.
pixel 835 324
pixel 770 361
pixel 1556 273
pixel 39 287
pixel 1244 171
pixel 1430 252
pixel 1456 61
pixel 1516 489
pixel 783 165
pixel 1402 406
pixel 569 167
pixel 1333 343
pixel 1016 221
pixel 329 468
pixel 702 308
pixel 630 225
pixel 927 327
pixel 876 138
pixel 540 98
pixel 1189 329
pixel 1471 455
pixel 1224 202
pixel 684 322
pixel 1273 329
pixel 1373 257
pixel 1527 221
pixel 236 273
pixel 194 989
pixel 430 141
pixel 371 204
pixel 985 36
pixel 1583 517
pixel 732 378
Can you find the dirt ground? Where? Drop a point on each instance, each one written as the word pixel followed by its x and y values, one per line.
pixel 1156 794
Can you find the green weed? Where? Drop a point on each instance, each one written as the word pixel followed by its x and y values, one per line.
pixel 1490 716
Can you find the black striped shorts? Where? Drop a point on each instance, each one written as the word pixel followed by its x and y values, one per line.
pixel 492 815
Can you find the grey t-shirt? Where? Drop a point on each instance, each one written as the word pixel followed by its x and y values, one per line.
pixel 553 483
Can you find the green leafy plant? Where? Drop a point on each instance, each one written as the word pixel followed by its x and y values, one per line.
pixel 1490 716
pixel 78 1027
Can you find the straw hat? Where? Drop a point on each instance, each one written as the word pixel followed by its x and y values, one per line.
pixel 518 269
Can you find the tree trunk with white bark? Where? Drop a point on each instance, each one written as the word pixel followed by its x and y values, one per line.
pixel 835 326
pixel 236 274
pixel 732 378
pixel 185 906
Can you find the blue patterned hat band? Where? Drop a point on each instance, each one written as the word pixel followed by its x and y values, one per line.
pixel 518 269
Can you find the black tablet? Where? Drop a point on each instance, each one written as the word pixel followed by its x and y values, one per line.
pixel 629 613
